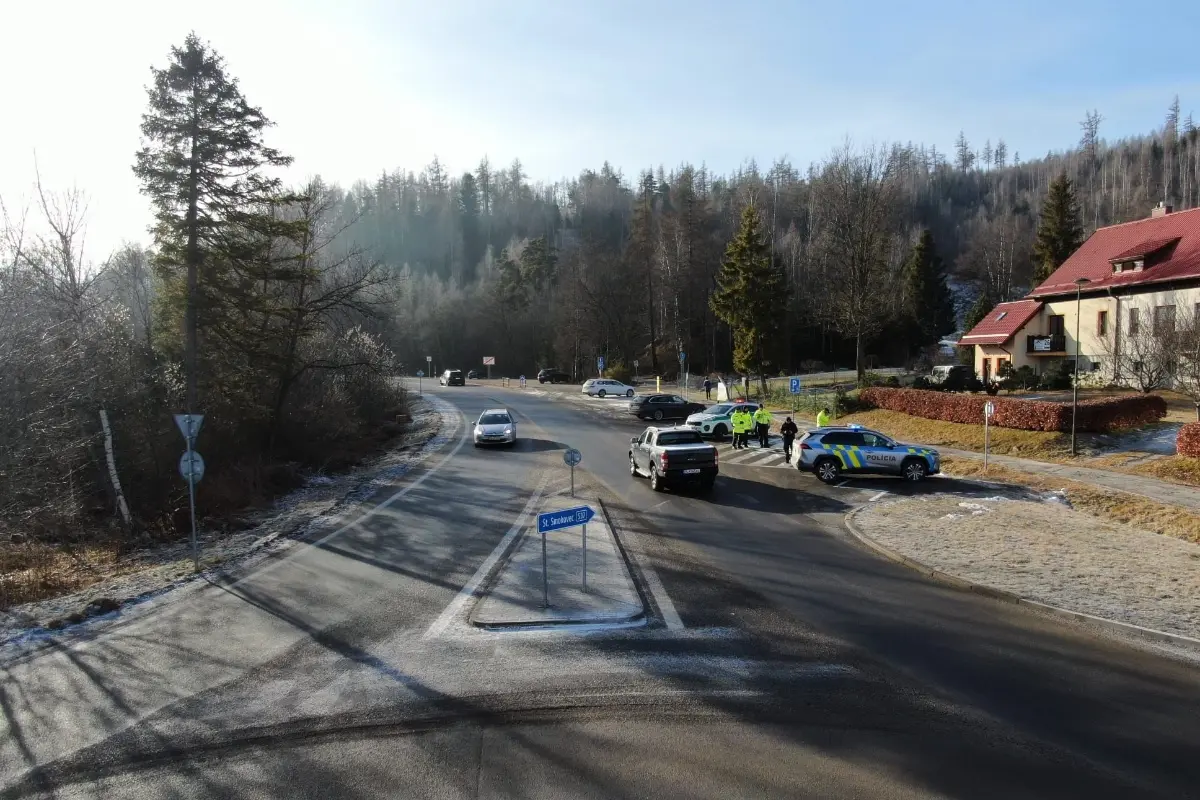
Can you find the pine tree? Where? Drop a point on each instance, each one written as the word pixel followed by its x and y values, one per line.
pixel 1059 232
pixel 202 166
pixel 927 299
pixel 751 295
pixel 468 211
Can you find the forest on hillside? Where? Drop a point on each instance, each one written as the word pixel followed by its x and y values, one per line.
pixel 631 285
pixel 283 312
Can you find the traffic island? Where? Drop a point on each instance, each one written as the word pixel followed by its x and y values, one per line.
pixel 518 597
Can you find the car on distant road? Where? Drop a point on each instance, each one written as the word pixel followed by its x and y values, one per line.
pixel 603 387
pixel 673 457
pixel 715 421
pixel 452 377
pixel 662 406
pixel 473 375
pixel 553 376
pixel 495 426
pixel 833 451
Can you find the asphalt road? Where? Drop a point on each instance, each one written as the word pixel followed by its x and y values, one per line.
pixel 781 660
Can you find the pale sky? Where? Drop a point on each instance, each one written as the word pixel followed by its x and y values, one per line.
pixel 358 87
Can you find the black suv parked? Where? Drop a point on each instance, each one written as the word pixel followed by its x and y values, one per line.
pixel 553 376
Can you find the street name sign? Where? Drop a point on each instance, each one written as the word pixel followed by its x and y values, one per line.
pixel 557 520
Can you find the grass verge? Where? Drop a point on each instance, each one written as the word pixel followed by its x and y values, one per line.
pixel 1049 445
pixel 1179 523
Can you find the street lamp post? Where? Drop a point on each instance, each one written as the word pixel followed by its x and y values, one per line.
pixel 1079 283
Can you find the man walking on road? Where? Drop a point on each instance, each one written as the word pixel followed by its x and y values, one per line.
pixel 762 422
pixel 789 431
pixel 823 418
pixel 707 389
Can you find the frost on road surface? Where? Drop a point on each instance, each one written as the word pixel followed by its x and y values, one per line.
pixel 1046 552
pixel 318 506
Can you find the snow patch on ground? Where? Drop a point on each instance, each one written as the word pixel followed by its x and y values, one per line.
pixel 322 503
pixel 1041 549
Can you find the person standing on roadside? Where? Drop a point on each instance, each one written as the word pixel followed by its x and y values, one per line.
pixel 707 389
pixel 762 425
pixel 741 422
pixel 789 431
pixel 823 418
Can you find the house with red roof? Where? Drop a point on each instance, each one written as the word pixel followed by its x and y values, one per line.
pixel 1124 286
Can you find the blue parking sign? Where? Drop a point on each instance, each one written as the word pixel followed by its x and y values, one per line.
pixel 795 386
pixel 600 363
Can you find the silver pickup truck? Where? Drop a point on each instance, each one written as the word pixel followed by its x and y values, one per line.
pixel 673 457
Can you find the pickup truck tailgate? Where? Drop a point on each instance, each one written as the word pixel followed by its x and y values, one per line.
pixel 690 455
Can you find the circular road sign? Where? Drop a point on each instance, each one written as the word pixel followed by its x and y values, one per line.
pixel 572 457
pixel 191 465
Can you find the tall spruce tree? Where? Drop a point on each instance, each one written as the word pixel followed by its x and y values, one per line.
pixel 202 165
pixel 1059 232
pixel 474 243
pixel 927 298
pixel 751 295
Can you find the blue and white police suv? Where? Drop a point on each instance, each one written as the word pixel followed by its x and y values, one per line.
pixel 833 451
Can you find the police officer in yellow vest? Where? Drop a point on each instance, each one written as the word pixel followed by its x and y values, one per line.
pixel 762 423
pixel 741 422
pixel 823 418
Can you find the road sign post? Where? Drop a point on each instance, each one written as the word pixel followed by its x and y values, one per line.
pixel 420 374
pixel 600 365
pixel 191 467
pixel 429 365
pixel 989 408
pixel 488 361
pixel 794 388
pixel 572 458
pixel 558 520
pixel 683 369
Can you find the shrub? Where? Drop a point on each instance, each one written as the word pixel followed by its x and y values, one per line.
pixel 1097 415
pixel 1188 441
pixel 618 371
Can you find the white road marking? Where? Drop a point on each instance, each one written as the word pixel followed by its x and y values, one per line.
pixel 271 565
pixel 468 590
pixel 762 459
pixel 876 497
pixel 657 591
pixel 657 505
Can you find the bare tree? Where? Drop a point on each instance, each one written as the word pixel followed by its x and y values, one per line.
pixel 858 197
pixel 1186 347
pixel 1141 356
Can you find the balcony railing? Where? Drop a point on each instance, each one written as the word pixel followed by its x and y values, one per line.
pixel 1046 345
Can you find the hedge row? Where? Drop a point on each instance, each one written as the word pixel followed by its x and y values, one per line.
pixel 1188 441
pixel 1098 415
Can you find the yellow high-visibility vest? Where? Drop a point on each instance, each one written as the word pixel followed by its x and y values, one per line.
pixel 762 417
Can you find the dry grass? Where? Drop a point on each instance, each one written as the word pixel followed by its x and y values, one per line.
pixel 1177 469
pixel 1047 445
pixel 31 571
pixel 1139 512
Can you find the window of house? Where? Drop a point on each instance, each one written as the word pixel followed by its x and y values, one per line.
pixel 1102 323
pixel 1164 320
pixel 1134 322
pixel 1095 366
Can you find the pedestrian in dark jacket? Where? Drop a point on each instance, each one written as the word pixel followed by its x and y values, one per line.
pixel 789 430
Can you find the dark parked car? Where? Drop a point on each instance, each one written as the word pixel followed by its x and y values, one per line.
pixel 553 376
pixel 663 406
pixel 473 375
pixel 453 377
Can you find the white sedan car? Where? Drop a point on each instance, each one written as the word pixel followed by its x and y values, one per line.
pixel 495 426
pixel 603 387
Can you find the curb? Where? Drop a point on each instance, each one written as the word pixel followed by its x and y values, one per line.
pixel 1010 597
pixel 488 584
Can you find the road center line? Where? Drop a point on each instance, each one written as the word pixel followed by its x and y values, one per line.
pixel 468 590
pixel 876 497
pixel 271 565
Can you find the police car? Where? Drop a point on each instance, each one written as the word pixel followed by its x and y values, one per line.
pixel 830 452
pixel 715 421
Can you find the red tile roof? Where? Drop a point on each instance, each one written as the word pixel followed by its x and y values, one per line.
pixel 1002 322
pixel 1144 249
pixel 1092 259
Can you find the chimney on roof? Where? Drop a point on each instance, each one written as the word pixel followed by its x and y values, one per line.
pixel 1161 210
